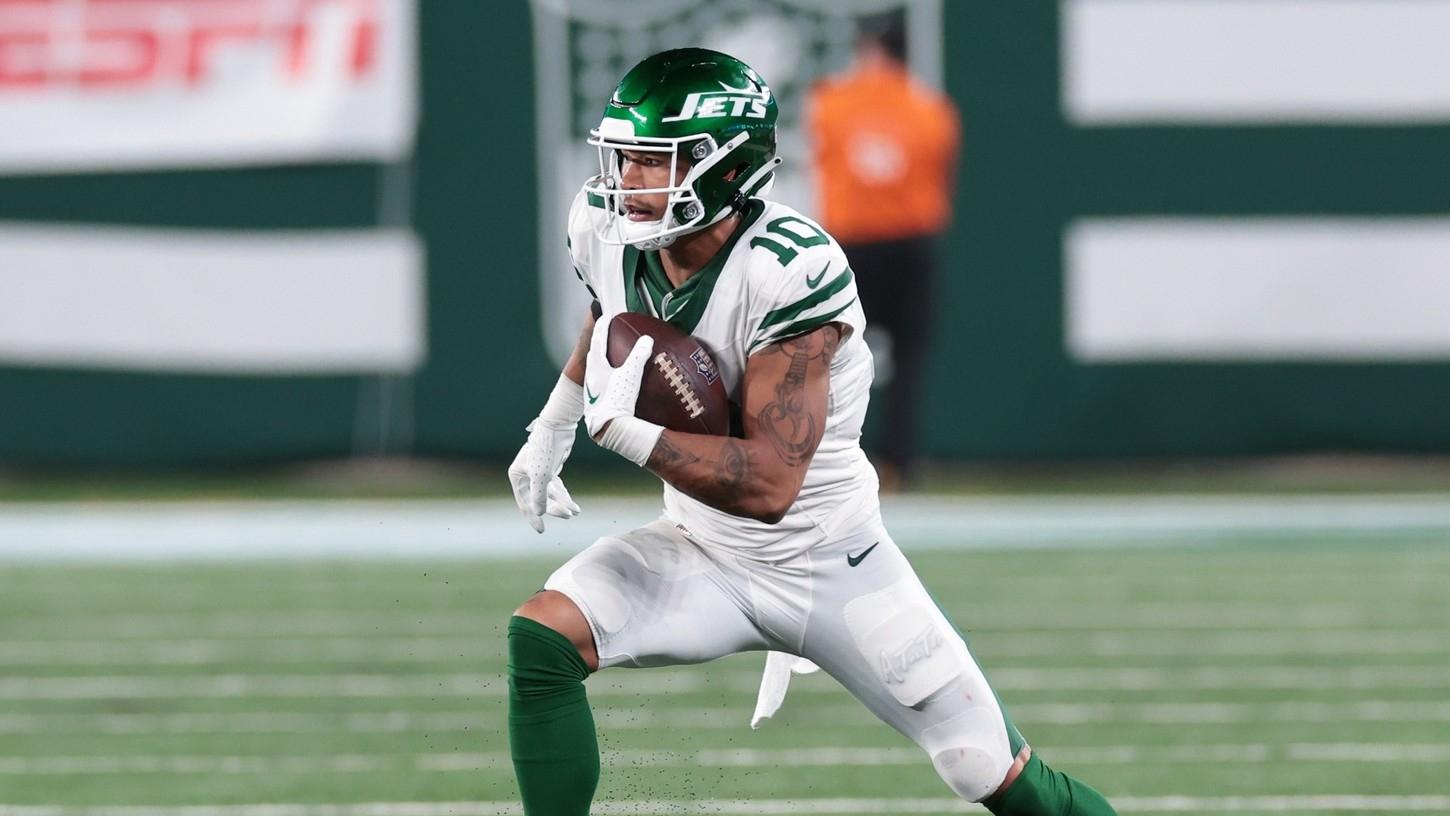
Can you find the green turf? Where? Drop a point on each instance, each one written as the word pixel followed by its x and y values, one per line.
pixel 1198 672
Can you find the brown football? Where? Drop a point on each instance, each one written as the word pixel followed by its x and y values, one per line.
pixel 681 389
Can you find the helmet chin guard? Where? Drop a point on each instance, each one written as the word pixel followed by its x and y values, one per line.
pixel 713 115
pixel 684 211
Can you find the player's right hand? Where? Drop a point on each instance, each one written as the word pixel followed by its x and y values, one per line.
pixel 534 474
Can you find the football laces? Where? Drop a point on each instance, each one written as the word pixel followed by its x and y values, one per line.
pixel 681 386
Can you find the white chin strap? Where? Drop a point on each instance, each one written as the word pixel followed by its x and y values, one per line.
pixel 645 235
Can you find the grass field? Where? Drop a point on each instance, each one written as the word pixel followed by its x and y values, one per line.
pixel 1252 677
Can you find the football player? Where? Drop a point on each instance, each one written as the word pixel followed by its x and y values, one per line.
pixel 771 540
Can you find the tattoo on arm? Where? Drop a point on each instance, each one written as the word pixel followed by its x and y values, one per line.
pixel 717 470
pixel 787 421
pixel 734 466
pixel 739 475
pixel 669 455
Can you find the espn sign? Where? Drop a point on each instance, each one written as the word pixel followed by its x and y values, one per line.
pixel 101 84
pixel 112 44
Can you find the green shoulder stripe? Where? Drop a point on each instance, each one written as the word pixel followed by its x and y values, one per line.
pixel 800 327
pixel 787 313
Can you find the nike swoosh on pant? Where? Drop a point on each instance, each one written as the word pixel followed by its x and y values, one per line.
pixel 853 560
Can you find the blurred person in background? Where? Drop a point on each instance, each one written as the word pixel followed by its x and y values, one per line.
pixel 884 149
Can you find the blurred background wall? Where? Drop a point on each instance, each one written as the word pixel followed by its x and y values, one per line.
pixel 1176 235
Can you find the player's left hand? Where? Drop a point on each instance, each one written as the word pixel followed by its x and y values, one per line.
pixel 534 473
pixel 611 392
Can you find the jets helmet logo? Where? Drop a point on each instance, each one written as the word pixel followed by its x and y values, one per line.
pixel 728 102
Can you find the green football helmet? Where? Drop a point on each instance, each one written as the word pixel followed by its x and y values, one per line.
pixel 713 115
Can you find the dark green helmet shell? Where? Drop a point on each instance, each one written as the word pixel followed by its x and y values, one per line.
pixel 692 91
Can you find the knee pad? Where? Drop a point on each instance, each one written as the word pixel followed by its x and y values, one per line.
pixel 970 752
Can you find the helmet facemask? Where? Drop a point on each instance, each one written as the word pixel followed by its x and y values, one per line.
pixel 685 209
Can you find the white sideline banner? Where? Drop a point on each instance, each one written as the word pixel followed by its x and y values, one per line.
pixel 128 84
pixel 313 302
pixel 1255 61
pixel 1265 289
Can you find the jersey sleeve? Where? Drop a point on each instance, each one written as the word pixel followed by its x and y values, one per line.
pixel 815 290
pixel 580 240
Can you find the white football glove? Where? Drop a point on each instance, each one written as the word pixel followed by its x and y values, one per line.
pixel 610 395
pixel 534 474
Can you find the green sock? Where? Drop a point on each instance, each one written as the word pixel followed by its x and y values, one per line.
pixel 1041 791
pixel 551 731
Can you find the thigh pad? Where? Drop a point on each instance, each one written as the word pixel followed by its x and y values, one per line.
pixel 900 633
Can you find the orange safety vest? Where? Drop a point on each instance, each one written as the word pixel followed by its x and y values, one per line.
pixel 885 152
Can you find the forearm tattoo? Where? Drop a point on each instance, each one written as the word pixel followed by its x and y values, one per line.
pixel 668 455
pixel 716 476
pixel 787 420
pixel 727 472
pixel 734 467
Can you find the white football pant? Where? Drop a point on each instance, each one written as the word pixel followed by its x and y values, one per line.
pixel 853 606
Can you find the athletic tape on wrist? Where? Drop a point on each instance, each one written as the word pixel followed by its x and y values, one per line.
pixel 565 406
pixel 631 437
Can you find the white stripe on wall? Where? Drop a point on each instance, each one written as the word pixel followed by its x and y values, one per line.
pixel 1255 61
pixel 223 302
pixel 1268 289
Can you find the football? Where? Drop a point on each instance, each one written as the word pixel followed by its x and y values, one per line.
pixel 681 389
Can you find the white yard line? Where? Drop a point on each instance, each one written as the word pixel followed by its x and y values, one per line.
pixel 764 807
pixel 187 765
pixel 203 651
pixel 823 757
pixel 846 715
pixel 253 722
pixel 1210 713
pixel 1075 616
pixel 245 624
pixel 1125 679
pixel 348 685
pixel 1232 642
pixel 1367 752
pixel 1213 678
pixel 471 648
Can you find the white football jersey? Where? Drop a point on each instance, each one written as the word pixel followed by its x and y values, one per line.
pixel 780 275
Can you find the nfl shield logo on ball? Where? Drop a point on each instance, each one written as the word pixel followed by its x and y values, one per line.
pixel 705 366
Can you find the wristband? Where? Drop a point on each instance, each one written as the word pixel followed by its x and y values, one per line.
pixel 631 437
pixel 565 406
